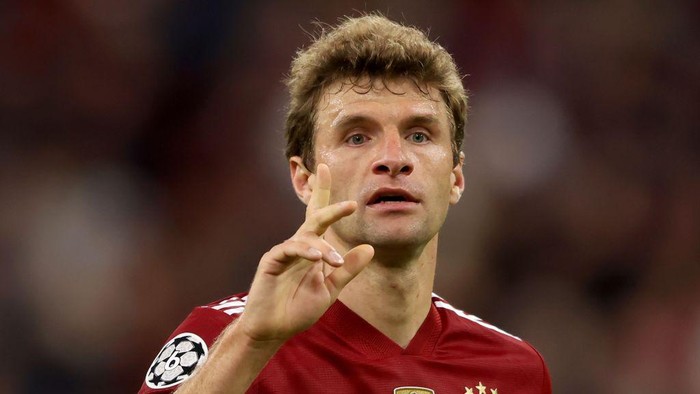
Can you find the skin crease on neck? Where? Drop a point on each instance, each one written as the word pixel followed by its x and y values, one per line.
pixel 393 136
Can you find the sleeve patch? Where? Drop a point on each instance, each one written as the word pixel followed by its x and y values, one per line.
pixel 177 361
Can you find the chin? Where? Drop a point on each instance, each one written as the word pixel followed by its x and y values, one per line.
pixel 400 234
pixel 400 238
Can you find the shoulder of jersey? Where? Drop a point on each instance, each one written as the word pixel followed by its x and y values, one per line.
pixel 442 304
pixel 233 305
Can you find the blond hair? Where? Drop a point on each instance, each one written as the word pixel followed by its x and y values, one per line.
pixel 375 47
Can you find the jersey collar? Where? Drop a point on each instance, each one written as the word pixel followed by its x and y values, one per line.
pixel 361 336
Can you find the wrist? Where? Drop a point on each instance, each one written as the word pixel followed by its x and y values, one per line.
pixel 240 333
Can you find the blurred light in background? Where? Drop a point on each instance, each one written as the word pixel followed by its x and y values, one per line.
pixel 142 173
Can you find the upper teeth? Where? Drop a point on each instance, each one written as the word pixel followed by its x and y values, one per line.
pixel 391 199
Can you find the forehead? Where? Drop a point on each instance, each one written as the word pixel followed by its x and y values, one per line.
pixel 381 99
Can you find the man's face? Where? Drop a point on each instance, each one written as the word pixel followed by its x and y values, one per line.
pixel 389 149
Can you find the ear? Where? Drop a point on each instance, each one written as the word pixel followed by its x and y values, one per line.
pixel 457 181
pixel 302 179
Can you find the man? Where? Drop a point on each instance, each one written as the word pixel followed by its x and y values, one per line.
pixel 346 305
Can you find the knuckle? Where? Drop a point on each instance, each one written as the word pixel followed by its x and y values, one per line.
pixel 294 245
pixel 268 255
pixel 283 247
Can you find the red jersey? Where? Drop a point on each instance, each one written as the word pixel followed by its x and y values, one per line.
pixel 452 352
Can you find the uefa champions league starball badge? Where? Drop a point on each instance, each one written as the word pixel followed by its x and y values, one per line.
pixel 177 361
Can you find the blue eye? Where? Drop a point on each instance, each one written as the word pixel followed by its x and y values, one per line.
pixel 357 139
pixel 418 138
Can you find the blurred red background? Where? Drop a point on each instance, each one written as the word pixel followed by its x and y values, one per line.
pixel 142 173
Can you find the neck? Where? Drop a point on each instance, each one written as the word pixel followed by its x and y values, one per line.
pixel 393 293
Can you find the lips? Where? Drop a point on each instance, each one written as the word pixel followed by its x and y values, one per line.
pixel 391 196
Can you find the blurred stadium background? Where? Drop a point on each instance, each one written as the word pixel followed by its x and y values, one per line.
pixel 142 173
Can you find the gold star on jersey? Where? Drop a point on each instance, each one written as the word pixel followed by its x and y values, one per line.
pixel 481 389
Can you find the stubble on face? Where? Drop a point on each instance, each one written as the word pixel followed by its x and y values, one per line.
pixel 385 113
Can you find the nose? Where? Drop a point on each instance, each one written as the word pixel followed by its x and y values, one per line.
pixel 391 159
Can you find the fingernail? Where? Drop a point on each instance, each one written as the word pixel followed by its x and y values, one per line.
pixel 335 257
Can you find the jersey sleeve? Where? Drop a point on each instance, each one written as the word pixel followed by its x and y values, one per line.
pixel 546 378
pixel 188 346
pixel 546 385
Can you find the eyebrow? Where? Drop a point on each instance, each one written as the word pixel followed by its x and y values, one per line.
pixel 351 120
pixel 354 120
pixel 422 120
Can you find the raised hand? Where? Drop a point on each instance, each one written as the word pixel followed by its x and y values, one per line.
pixel 290 291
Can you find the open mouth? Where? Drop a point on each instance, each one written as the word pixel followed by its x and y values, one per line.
pixel 391 197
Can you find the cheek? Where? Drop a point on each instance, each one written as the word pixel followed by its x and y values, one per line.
pixel 326 156
pixel 343 171
pixel 437 160
pixel 439 168
pixel 337 164
pixel 438 153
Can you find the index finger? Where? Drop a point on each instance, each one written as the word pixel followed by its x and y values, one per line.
pixel 321 194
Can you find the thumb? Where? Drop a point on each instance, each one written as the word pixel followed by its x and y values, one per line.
pixel 355 261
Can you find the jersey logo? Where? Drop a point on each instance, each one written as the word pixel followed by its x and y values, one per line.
pixel 413 390
pixel 177 361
